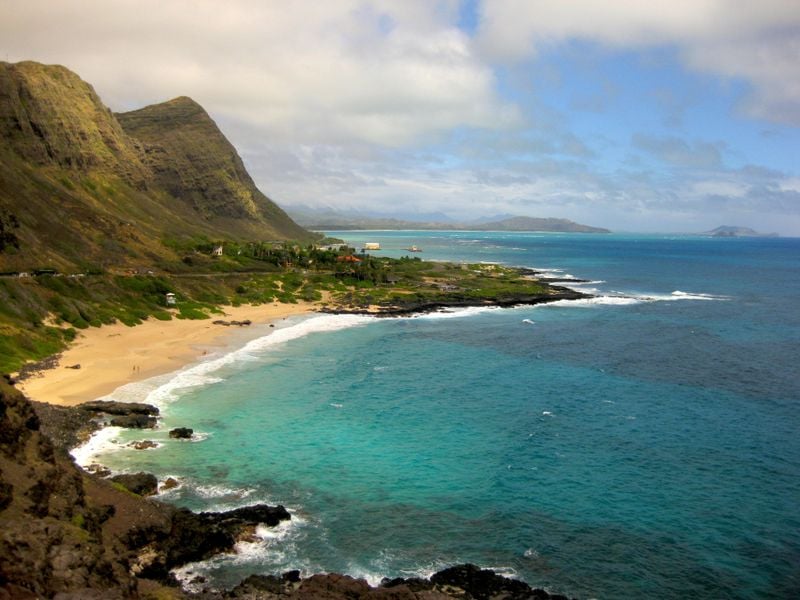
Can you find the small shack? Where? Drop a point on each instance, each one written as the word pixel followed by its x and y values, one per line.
pixel 170 299
pixel 217 251
pixel 372 246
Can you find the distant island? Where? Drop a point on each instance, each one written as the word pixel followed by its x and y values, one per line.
pixel 334 221
pixel 736 231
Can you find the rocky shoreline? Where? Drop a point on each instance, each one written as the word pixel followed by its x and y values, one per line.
pixel 70 534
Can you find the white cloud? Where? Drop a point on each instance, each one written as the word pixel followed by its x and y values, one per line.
pixel 756 42
pixel 678 152
pixel 386 105
pixel 389 73
pixel 718 187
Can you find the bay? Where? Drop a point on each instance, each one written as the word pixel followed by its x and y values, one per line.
pixel 640 444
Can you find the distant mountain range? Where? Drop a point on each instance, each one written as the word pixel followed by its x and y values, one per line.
pixel 735 231
pixel 82 186
pixel 333 221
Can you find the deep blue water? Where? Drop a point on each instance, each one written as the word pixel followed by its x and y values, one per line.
pixel 644 444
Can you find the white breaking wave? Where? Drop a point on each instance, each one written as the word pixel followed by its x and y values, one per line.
pixel 163 389
pixel 679 295
pixel 596 282
pixel 624 300
pixel 385 563
pixel 206 373
pixel 101 441
pixel 271 545
pixel 222 493
pixel 456 312
pixel 596 301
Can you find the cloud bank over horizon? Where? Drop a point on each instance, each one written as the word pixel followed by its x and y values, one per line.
pixel 618 114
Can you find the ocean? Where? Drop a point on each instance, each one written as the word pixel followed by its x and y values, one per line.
pixel 642 443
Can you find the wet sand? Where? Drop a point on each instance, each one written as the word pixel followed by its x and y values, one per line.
pixel 114 355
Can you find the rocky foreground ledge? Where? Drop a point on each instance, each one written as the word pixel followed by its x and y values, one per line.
pixel 68 534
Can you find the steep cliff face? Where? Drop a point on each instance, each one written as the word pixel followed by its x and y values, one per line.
pixel 82 191
pixel 193 161
pixel 50 117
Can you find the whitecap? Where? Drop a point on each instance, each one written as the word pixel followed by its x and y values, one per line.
pixel 456 313
pixel 592 282
pixel 385 563
pixel 101 441
pixel 372 577
pixel 504 571
pixel 336 405
pixel 679 295
pixel 597 301
pixel 528 321
pixel 271 545
pixel 214 492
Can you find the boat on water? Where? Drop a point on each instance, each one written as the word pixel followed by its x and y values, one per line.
pixel 414 249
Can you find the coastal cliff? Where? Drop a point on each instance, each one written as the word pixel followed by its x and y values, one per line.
pixel 82 188
pixel 191 159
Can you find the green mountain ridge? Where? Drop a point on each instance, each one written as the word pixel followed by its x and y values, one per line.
pixel 81 187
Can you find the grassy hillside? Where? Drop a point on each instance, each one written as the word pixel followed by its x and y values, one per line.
pixel 39 315
pixel 78 192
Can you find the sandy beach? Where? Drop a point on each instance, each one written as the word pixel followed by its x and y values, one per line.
pixel 113 355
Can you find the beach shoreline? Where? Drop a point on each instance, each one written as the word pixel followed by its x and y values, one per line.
pixel 115 355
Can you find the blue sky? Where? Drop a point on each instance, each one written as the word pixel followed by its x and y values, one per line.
pixel 626 114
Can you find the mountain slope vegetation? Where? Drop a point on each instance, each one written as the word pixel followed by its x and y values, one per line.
pixel 82 188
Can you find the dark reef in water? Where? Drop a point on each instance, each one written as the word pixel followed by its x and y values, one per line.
pixel 71 534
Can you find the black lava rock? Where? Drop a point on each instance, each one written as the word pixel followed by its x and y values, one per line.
pixel 181 433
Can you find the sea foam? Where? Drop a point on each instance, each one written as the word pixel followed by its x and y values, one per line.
pixel 456 313
pixel 621 299
pixel 207 372
pixel 163 389
pixel 100 441
pixel 271 546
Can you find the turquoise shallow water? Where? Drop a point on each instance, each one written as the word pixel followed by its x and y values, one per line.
pixel 643 444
